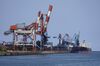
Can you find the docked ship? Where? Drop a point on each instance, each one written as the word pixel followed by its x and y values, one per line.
pixel 23 33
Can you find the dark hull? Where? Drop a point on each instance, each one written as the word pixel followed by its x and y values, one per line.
pixel 31 50
pixel 80 49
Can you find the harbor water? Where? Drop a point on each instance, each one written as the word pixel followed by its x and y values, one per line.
pixel 66 59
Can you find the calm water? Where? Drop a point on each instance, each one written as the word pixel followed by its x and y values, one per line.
pixel 69 59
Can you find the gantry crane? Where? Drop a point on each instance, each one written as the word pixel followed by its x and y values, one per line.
pixel 39 27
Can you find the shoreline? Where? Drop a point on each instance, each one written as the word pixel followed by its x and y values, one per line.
pixel 17 53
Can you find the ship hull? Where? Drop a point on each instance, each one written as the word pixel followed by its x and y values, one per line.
pixel 80 49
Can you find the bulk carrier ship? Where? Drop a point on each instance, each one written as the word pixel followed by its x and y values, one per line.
pixel 39 28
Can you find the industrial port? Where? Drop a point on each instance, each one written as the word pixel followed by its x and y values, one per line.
pixel 25 39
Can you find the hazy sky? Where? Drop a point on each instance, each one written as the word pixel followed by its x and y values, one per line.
pixel 68 16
